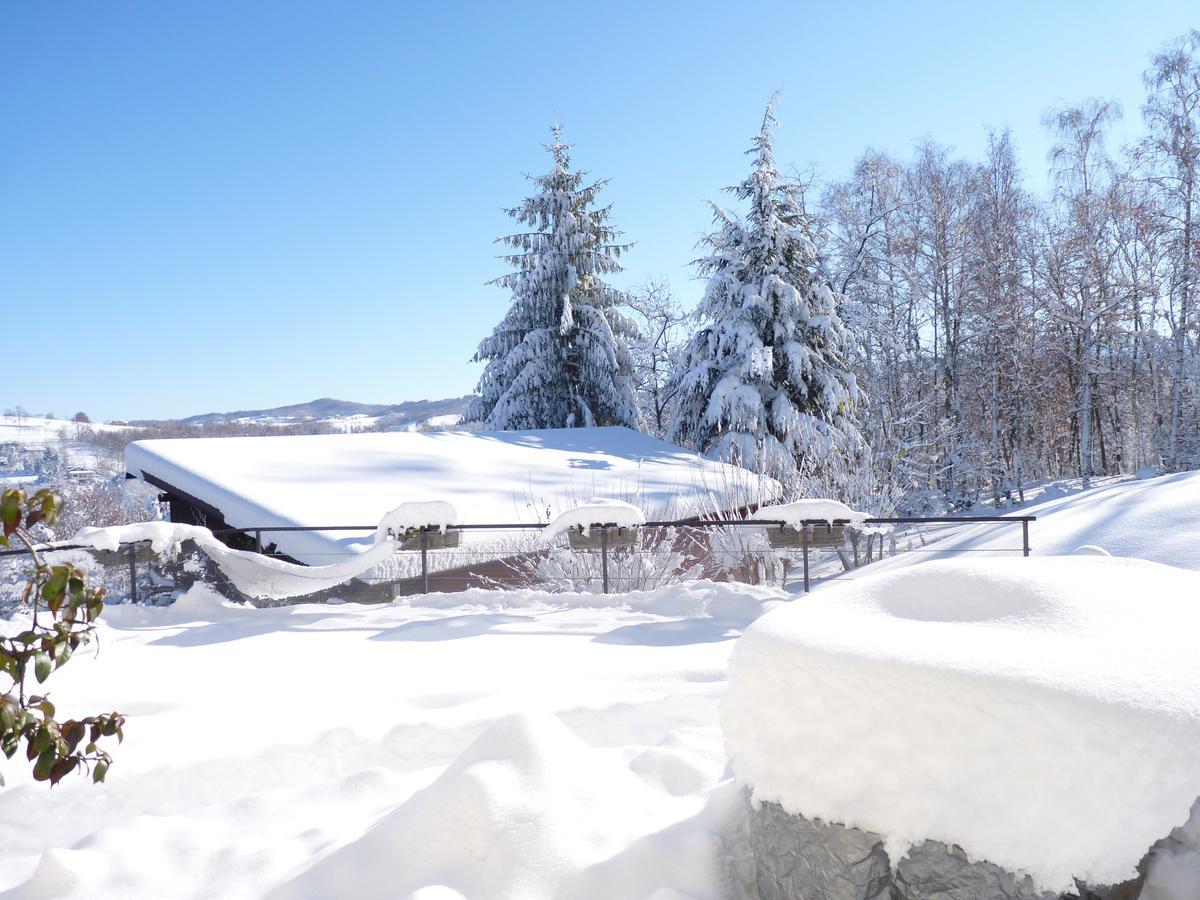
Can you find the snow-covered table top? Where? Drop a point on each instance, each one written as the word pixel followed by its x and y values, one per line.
pixel 517 476
pixel 1042 714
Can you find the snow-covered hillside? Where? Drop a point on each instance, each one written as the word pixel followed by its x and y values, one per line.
pixel 26 440
pixel 1156 519
pixel 33 432
pixel 38 430
pixel 346 415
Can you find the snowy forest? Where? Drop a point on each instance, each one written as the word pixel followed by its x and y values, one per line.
pixel 924 335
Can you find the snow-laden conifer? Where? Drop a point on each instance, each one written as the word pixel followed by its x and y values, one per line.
pixel 765 383
pixel 559 358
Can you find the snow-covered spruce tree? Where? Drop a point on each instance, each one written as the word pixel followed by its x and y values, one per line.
pixel 559 358
pixel 764 382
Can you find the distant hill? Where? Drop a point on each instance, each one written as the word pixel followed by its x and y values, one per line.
pixel 393 415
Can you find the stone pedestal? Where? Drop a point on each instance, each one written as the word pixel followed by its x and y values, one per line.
pixel 797 858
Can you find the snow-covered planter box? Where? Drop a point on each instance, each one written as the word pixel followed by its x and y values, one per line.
pixel 785 537
pixel 825 522
pixel 593 538
pixel 418 524
pixel 433 539
pixel 1001 728
pixel 596 525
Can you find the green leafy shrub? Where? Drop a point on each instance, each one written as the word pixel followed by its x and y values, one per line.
pixel 64 612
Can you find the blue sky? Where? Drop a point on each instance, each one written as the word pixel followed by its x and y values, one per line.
pixel 214 206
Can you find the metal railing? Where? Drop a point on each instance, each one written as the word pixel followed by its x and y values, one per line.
pixel 664 552
pixel 608 528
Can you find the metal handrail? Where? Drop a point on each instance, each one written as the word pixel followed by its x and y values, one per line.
pixel 258 530
pixel 673 523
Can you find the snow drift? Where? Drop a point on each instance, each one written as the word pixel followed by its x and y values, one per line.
pixel 1041 714
pixel 517 815
pixel 497 746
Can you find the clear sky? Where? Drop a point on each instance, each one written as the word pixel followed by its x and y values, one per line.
pixel 213 206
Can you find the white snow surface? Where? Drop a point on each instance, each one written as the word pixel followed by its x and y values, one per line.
pixel 516 476
pixel 596 512
pixel 254 574
pixel 1156 519
pixel 1042 714
pixel 483 745
pixel 416 514
pixel 446 421
pixel 798 512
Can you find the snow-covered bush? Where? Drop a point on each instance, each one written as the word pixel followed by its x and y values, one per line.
pixel 660 557
pixel 101 502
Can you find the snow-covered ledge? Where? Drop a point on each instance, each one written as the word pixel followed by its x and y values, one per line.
pixel 1007 729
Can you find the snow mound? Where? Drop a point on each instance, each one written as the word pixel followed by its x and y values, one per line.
pixel 1042 714
pixel 691 599
pixel 596 512
pixel 798 512
pixel 416 514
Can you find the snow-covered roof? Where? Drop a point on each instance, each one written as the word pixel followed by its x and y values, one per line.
pixel 513 476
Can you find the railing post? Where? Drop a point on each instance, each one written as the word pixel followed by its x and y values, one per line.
pixel 1025 537
pixel 604 556
pixel 424 560
pixel 804 545
pixel 257 540
pixel 132 574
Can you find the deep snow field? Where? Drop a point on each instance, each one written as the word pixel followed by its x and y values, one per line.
pixel 520 744
pixel 302 751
